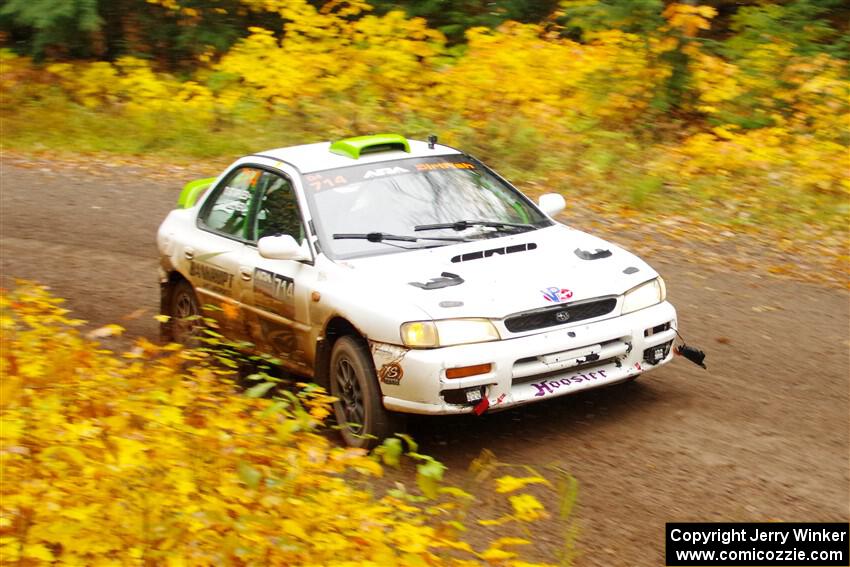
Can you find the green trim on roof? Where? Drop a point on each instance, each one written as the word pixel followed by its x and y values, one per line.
pixel 192 191
pixel 355 147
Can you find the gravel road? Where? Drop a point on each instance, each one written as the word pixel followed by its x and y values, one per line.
pixel 763 435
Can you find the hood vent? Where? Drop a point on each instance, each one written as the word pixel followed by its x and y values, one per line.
pixel 493 251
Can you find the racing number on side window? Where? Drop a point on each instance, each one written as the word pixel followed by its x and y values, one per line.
pixel 228 213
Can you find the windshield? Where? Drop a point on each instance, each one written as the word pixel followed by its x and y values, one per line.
pixel 352 205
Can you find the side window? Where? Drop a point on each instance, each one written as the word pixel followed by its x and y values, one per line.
pixel 229 210
pixel 278 210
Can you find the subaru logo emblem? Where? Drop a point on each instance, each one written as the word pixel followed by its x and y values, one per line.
pixel 562 316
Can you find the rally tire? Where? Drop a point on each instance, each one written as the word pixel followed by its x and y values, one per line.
pixel 185 323
pixel 360 414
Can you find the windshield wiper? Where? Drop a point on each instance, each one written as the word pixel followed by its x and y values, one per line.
pixel 465 224
pixel 382 236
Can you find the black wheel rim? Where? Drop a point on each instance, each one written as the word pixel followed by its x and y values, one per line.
pixel 350 395
pixel 185 314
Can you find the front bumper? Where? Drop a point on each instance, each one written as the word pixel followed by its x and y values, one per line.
pixel 527 369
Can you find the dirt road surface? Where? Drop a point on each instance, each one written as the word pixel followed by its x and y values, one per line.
pixel 763 435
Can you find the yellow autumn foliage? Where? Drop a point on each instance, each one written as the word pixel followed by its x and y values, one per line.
pixel 688 18
pixel 551 83
pixel 151 457
pixel 749 136
pixel 131 85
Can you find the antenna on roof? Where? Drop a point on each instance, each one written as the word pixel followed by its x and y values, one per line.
pixel 432 139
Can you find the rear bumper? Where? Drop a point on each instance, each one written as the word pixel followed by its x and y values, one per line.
pixel 527 369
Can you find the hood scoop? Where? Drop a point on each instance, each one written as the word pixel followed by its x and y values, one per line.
pixel 587 255
pixel 446 279
pixel 493 252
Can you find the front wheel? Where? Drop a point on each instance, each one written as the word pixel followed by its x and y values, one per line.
pixel 358 408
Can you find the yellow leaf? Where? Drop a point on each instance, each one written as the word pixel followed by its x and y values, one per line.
pixel 496 522
pixel 106 331
pixel 456 492
pixel 293 528
pixel 366 466
pixel 38 551
pixel 130 452
pixel 706 11
pixel 493 554
pixel 526 507
pixel 510 483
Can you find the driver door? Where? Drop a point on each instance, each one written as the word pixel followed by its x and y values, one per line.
pixel 280 294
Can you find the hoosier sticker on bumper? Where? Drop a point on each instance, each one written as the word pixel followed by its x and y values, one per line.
pixel 551 386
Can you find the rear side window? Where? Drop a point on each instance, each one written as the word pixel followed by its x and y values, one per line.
pixel 229 207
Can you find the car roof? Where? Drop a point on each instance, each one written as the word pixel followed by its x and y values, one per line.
pixel 308 158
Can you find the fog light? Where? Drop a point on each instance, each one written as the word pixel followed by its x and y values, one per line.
pixel 465 371
pixel 656 354
pixel 463 396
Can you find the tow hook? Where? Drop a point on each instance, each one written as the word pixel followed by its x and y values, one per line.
pixel 693 354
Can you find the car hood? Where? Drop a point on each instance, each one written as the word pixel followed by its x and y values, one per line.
pixel 498 276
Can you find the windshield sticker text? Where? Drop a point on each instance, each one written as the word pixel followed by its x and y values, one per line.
pixel 551 386
pixel 444 165
pixel 556 294
pixel 210 274
pixel 382 171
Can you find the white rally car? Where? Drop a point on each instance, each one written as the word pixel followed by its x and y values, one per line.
pixel 407 277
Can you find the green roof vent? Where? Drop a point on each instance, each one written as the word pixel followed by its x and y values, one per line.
pixel 355 147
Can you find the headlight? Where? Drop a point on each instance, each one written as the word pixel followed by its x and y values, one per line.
pixel 645 295
pixel 448 332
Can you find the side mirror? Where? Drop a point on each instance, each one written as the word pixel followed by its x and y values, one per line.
pixel 552 203
pixel 281 247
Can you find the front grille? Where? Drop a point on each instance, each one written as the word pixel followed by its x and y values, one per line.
pixel 559 315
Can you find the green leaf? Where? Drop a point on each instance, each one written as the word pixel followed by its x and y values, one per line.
pixel 428 477
pixel 259 390
pixel 568 492
pixel 248 474
pixel 411 444
pixel 390 451
pixel 276 407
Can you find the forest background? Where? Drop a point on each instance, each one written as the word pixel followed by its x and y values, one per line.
pixel 734 113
